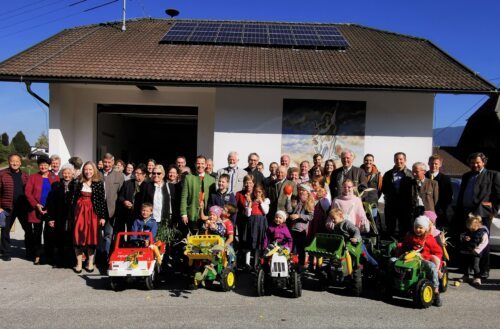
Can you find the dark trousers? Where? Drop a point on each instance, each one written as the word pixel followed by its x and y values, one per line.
pixel 395 214
pixel 37 230
pixel 5 242
pixel 299 245
pixel 470 260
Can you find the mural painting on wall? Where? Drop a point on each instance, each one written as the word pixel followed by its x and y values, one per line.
pixel 323 126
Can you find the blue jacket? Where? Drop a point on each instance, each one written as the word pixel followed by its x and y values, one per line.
pixel 145 226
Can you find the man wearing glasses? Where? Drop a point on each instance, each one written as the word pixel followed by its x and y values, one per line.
pixel 253 161
pixel 128 198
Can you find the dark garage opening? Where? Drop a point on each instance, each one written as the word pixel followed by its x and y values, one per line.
pixel 139 132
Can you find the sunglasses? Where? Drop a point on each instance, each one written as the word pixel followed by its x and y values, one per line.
pixel 157 173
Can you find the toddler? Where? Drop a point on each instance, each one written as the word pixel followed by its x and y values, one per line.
pixel 278 232
pixel 474 241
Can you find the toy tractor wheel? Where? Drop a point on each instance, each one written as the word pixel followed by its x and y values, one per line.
pixel 323 280
pixel 357 282
pixel 424 294
pixel 443 282
pixel 296 284
pixel 152 280
pixel 261 283
pixel 228 279
pixel 116 284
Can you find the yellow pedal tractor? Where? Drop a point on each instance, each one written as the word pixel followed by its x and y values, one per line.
pixel 209 262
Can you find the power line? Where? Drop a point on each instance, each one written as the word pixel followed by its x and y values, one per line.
pixel 56 20
pixel 19 8
pixel 32 10
pixel 461 116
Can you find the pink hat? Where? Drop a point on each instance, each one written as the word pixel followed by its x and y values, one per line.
pixel 431 215
pixel 216 210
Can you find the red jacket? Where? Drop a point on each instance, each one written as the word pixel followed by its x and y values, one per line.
pixel 428 242
pixel 7 188
pixel 33 193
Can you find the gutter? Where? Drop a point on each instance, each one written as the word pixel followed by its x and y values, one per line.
pixel 32 93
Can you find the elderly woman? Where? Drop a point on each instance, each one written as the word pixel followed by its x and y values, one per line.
pixel 163 197
pixel 128 173
pixel 89 203
pixel 37 190
pixel 59 231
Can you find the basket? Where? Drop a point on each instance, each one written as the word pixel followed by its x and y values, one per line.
pixel 200 246
pixel 326 245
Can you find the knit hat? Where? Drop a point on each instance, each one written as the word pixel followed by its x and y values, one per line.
pixel 422 221
pixel 281 214
pixel 431 215
pixel 216 210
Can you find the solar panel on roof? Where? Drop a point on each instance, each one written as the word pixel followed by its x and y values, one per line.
pixel 254 34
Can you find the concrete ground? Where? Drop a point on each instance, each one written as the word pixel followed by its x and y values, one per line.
pixel 43 297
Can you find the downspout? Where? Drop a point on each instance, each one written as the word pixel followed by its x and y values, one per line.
pixel 32 93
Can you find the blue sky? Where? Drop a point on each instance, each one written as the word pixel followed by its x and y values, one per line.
pixel 467 30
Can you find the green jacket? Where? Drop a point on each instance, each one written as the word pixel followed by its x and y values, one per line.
pixel 190 203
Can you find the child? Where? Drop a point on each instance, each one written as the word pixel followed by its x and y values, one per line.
pixel 431 252
pixel 222 196
pixel 146 223
pixel 213 223
pixel 257 208
pixel 279 232
pixel 474 241
pixel 228 213
pixel 337 224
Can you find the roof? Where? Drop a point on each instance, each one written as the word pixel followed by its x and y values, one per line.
pixel 375 59
pixel 452 165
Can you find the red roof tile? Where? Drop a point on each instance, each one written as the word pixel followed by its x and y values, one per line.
pixel 374 59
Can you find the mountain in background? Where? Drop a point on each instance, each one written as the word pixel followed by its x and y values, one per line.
pixel 446 136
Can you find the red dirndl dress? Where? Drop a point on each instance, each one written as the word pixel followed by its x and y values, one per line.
pixel 86 226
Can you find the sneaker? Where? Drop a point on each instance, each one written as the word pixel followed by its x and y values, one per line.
pixel 476 281
pixel 437 301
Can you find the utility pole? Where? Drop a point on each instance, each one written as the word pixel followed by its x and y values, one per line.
pixel 124 28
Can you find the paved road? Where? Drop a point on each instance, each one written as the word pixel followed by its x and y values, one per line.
pixel 42 297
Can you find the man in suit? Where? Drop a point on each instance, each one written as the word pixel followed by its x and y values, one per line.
pixel 425 192
pixel 113 182
pixel 196 188
pixel 357 175
pixel 444 186
pixel 253 160
pixel 396 187
pixel 276 194
pixel 480 195
pixel 129 203
pixel 236 174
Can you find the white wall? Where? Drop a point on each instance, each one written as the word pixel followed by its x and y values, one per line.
pixel 73 113
pixel 395 121
pixel 243 119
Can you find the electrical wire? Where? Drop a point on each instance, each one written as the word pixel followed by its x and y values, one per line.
pixel 7 13
pixel 31 10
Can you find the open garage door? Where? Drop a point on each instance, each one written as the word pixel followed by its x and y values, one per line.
pixel 138 132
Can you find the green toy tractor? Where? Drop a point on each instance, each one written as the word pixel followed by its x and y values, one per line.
pixel 337 262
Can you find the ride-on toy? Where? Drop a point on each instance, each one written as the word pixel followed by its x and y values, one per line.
pixel 278 269
pixel 337 262
pixel 209 261
pixel 133 260
pixel 408 278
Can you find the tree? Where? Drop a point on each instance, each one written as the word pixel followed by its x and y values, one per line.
pixel 20 144
pixel 5 151
pixel 42 141
pixel 5 139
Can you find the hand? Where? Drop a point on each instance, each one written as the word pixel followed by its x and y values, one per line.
pixel 128 204
pixel 467 238
pixel 51 223
pixel 1 210
pixel 39 207
pixel 185 219
pixel 102 222
pixel 354 240
pixel 294 217
pixel 202 204
pixel 248 196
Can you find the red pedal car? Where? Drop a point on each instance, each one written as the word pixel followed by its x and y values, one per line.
pixel 135 258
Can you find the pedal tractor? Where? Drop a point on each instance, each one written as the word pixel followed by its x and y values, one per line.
pixel 133 259
pixel 209 262
pixel 337 262
pixel 408 278
pixel 278 269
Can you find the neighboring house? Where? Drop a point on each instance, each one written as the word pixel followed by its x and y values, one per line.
pixel 130 94
pixel 36 152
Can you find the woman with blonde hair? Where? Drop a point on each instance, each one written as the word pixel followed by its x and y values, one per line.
pixel 89 204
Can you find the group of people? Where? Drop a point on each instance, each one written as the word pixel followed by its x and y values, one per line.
pixel 79 207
